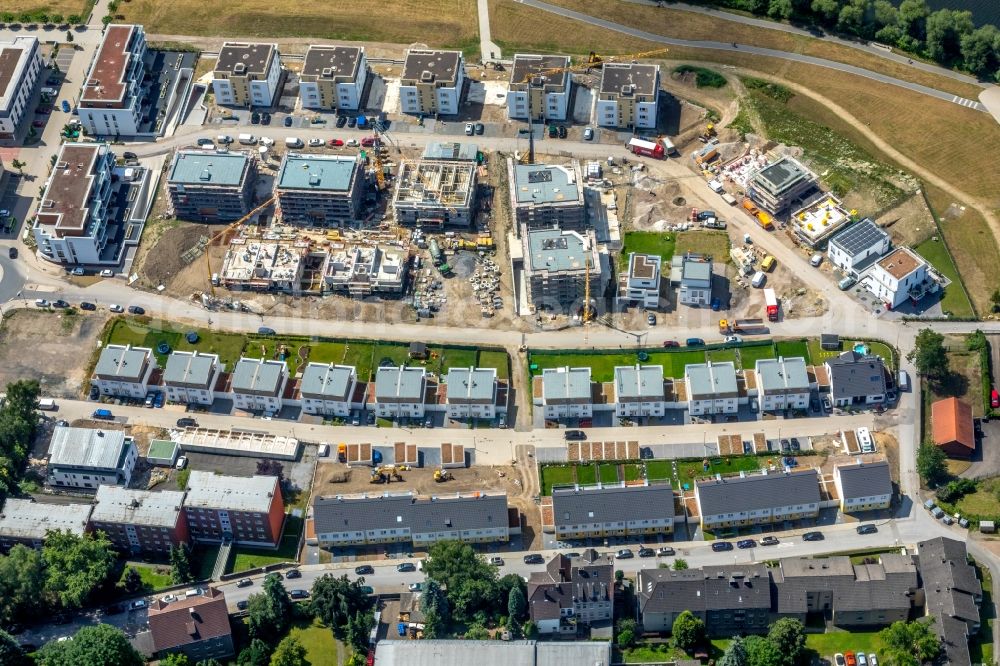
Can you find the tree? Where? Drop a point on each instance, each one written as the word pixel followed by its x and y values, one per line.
pixel 358 630
pixel 470 582
pixel 981 56
pixel 208 662
pixel 69 36
pixel 476 632
pixel 853 18
pixel 336 600
pixel 626 633
pixel 437 613
pixel 57 19
pixel 913 19
pixel 289 652
pixel 789 636
pixel 269 613
pixel 22 585
pixel 7 17
pixel 826 9
pixel 928 353
pixel 106 20
pixel 75 19
pixel 132 580
pixel 24 17
pixel 909 643
pixel 176 659
pixel 180 565
pixel 735 654
pixel 688 631
pixel 761 651
pixel 945 29
pixel 11 653
pixel 517 605
pixel 19 165
pixel 931 463
pixel 529 629
pixel 97 645
pixel 680 564
pixel 780 9
pixel 258 653
pixel 76 565
pixel 182 478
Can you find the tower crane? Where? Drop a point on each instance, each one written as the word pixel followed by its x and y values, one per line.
pixel 228 229
pixel 380 136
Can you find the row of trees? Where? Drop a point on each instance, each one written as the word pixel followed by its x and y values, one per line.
pixel 18 424
pixel 41 16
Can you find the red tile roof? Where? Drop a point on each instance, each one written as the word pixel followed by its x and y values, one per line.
pixel 951 420
pixel 189 620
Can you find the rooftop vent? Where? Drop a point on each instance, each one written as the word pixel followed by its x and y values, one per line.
pixel 328 71
pixel 427 76
pixel 240 68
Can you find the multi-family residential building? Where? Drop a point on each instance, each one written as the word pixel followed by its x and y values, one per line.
pixel 209 186
pixel 757 499
pixel 259 384
pixel 711 388
pixel 196 626
pixel 363 270
pixel 557 267
pixel 90 457
pixel 400 392
pixel 320 190
pixel 471 393
pixel 781 185
pixel 583 513
pixel 952 595
pixel 20 63
pixel 27 522
pixel 898 277
pixel 816 223
pixel 540 84
pixel 138 521
pixel 432 82
pixel 268 265
pixel 366 520
pixel 571 593
pixel 333 77
pixel 564 393
pixel 782 383
pixel 641 284
pixel 639 391
pixel 952 427
pixel 190 377
pixel 495 653
pixel 112 99
pixel 856 247
pixel 124 371
pixel 328 389
pixel 248 511
pixel 246 74
pixel 863 486
pixel 628 95
pixel 544 196
pixel 692 273
pixel 856 379
pixel 435 193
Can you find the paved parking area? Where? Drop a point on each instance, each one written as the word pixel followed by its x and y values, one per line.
pixel 986 460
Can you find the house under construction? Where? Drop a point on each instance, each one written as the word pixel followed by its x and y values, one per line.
pixel 557 267
pixel 435 193
pixel 362 270
pixel 264 265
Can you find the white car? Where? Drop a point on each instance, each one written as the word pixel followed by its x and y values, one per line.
pixel 470 129
pixel 315 143
pixel 77 271
pixel 415 587
pixel 107 272
pixel 114 307
pixel 816 259
pixel 353 143
pixel 181 462
pixel 266 141
pixel 872 660
pixel 170 598
pixel 733 339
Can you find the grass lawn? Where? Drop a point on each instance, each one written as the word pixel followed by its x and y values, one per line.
pixel 557 475
pixel 984 501
pixel 245 558
pixel 652 654
pixel 154 578
pixel 134 331
pixel 648 242
pixel 981 646
pixel 841 641
pixel 658 470
pixel 692 469
pixel 64 7
pixel 722 355
pixel 792 349
pixel 749 355
pixel 633 471
pixel 608 473
pixel 818 355
pixel 495 359
pixel 586 475
pixel 321 647
pixel 955 301
pixel 713 243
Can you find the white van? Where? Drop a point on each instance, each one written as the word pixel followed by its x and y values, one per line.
pixel 904 381
pixel 759 278
pixel 293 142
pixel 46 404
pixel 324 450
pixel 248 139
pixel 224 139
pixel 51 92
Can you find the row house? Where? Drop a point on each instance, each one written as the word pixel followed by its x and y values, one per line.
pixel 711 388
pixel 471 393
pixel 124 371
pixel 582 513
pixel 863 486
pixel 571 593
pixel 245 510
pixel 782 383
pixel 329 390
pixel 258 384
pixel 141 521
pixel 400 392
pixel 639 391
pixel 190 377
pixel 564 393
pixel 952 594
pixel 757 499
pixel 85 458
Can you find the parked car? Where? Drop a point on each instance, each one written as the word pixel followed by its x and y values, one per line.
pixel 533 558
pixel 624 554
pixel 244 582
pixel 87 306
pixel 562 131
pixel 336 143
pixel 850 658
pixel 38 123
pixel 60 304
pixel 665 551
pixel 872 659
pixel 205 142
pixel 813 536
pixel 288 121
pixel 496 561
pixel 364 570
pixel 588 133
pixel 846 283
pixel 368 141
pixel 733 340
pixel 181 462
pixel 169 598
pixel 746 543
pixel 406 566
pixel 138 604
pixel 838 660
pixel 186 422
pixel 41 302
pixel 265 118
pixel 136 310
pixel 243 604
pixel 95 393
pixel 416 587
pixel 315 143
pixel 719 546
pixel 480 128
pixel 12 253
pixel 107 272
pixel 827 403
pixel 695 342
pixel 254 118
pixel 574 435
pixel 769 541
pixel 352 143
pixel 299 594
pixel 867 528
pixel 470 129
pixel 816 259
pixel 671 343
pixel 647 552
pixel 651 319
pixel 352 121
pixel 341 121
pixel 862 659
pixel 994 395
pixel 367 589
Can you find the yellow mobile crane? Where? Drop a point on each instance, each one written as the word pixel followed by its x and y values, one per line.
pixel 228 229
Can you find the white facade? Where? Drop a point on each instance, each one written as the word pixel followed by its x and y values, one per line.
pixel 347 94
pixel 856 245
pixel 399 392
pixel 609 114
pixel 642 283
pixel 329 390
pixel 711 388
pixel 190 377
pixel 124 371
pixel 92 478
pixel 782 384
pixel 565 393
pixel 893 278
pixel 639 391
pixel 259 384
pixel 111 99
pixel 556 103
pixel 859 503
pixel 471 393
pixel 446 97
pixel 247 75
pixel 16 91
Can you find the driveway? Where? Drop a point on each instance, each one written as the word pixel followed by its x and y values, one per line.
pixel 986 460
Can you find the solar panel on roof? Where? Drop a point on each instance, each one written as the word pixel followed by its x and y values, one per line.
pixel 859 237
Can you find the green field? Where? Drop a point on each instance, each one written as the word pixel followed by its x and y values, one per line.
pixel 819 355
pixel 694 469
pixel 586 475
pixel 154 578
pixel 633 471
pixel 609 473
pixel 321 647
pixel 831 643
pixel 245 558
pixel 648 242
pixel 711 243
pixel 559 475
pixel 704 77
pixel 658 470
pixel 955 299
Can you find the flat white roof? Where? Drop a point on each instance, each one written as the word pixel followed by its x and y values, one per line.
pixel 137 507
pixel 232 493
pixel 27 519
pixel 236 443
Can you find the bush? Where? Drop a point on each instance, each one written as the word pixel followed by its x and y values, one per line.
pixel 773 90
pixel 956 490
pixel 705 78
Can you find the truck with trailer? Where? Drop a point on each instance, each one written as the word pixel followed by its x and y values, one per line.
pixel 744 326
pixel 647 148
pixel 771 302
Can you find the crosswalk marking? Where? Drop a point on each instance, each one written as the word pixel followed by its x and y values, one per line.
pixel 969 103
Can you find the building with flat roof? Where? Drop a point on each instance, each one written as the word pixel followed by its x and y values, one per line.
pixel 246 74
pixel 90 457
pixel 757 499
pixel 264 265
pixel 432 82
pixel 546 195
pixel 572 592
pixel 333 77
pixel 331 390
pixel 366 520
pixel 781 185
pixel 435 193
pixel 863 486
pixel 898 277
pixel 27 522
pixel 857 246
pixel 492 653
pixel 628 95
pixel 138 521
pixel 258 384
pixel 692 273
pixel 541 84
pixel 451 151
pixel 782 383
pixel 641 284
pixel 564 393
pixel 364 269
pixel 190 377
pixel 209 186
pixel 320 190
pixel 557 267
pixel 639 391
pixel 113 95
pixel 819 221
pixel 20 63
pixel 711 388
pixel 196 626
pixel 471 393
pixel 247 510
pixel 124 371
pixel 400 392
pixel 583 513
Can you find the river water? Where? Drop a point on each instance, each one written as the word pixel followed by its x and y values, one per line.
pixel 983 11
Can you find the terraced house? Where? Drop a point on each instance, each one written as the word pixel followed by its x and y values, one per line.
pixel 582 513
pixel 259 384
pixel 191 376
pixel 333 78
pixel 432 82
pixel 564 393
pixel 639 391
pixel 400 392
pixel 757 499
pixel 782 383
pixel 328 389
pixel 124 371
pixel 711 388
pixel 246 74
pixel 471 393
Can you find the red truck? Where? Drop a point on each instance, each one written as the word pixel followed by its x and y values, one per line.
pixel 772 304
pixel 647 148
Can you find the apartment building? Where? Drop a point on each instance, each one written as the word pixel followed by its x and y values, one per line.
pixel 258 384
pixel 248 511
pixel 471 393
pixel 495 653
pixel 333 78
pixel 435 193
pixel 111 102
pixel 952 594
pixel 856 379
pixel 90 457
pixel 124 371
pixel 27 522
pixel 363 270
pixel 692 274
pixel 540 84
pixel 544 196
pixel 781 185
pixel 400 392
pixel 320 190
pixel 564 393
pixel 711 388
pixel 20 64
pixel 639 391
pixel 367 520
pixel 255 265
pixel 246 74
pixel 628 96
pixel 641 284
pixel 191 376
pixel 782 383
pixel 140 521
pixel 757 499
pixel 328 389
pixel 432 82
pixel 857 246
pixel 209 186
pixel 196 626
pixel 899 277
pixel 558 266
pixel 571 593
pixel 583 513
pixel 863 486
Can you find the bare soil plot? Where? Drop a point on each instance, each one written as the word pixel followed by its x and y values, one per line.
pixel 909 223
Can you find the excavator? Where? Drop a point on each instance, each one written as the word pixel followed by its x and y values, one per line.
pixel 442 475
pixel 386 474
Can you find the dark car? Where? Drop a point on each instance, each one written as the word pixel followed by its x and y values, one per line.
pixel 718 546
pixel 12 253
pixel 341 121
pixel 186 422
pixel 624 554
pixel 867 529
pixel 288 121
pixel 575 435
pixel 364 570
pixel 265 118
pixel 293 573
pixel 254 118
pixel 299 594
pixel 95 393
pixel 671 343
pixel 38 123
pixel 695 342
pixel 480 128
pixel 562 131
pixel 244 582
pixel 129 156
pixel 572 554
pixel 406 566
pixel 264 330
pixel 746 543
pixel 647 552
pixel 136 310
pixel 243 604
pixel 60 304
pixel 665 551
pixel 769 541
pixel 812 536
pixel 352 122
pixel 533 558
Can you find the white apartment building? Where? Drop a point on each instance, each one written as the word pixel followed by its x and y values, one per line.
pixel 190 377
pixel 112 97
pixel 20 63
pixel 432 82
pixel 711 388
pixel 639 391
pixel 542 80
pixel 259 384
pixel 782 383
pixel 628 95
pixel 899 276
pixel 641 284
pixel 471 393
pixel 400 392
pixel 564 393
pixel 328 389
pixel 90 457
pixel 333 77
pixel 124 371
pixel 246 74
